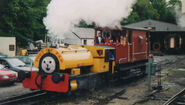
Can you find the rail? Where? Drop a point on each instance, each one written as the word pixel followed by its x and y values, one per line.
pixel 22 98
pixel 177 99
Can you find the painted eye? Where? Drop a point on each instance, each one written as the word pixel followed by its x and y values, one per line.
pixel 44 61
pixel 50 62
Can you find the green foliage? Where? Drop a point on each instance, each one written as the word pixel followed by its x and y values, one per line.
pixel 133 17
pixel 173 3
pixel 153 9
pixel 24 16
pixel 83 24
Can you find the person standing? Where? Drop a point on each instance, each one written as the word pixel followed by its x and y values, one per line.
pixel 99 39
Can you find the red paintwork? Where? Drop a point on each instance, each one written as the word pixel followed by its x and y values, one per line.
pixel 137 50
pixel 48 84
pixel 6 72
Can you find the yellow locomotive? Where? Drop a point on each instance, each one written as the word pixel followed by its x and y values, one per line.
pixel 62 69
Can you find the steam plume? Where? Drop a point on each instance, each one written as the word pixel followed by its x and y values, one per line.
pixel 180 17
pixel 181 20
pixel 63 14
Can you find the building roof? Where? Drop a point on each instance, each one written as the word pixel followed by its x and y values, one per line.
pixel 158 26
pixel 135 28
pixel 123 27
pixel 83 33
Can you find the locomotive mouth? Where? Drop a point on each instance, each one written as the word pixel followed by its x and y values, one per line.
pixel 47 69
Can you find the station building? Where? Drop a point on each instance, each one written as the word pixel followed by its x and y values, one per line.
pixel 165 37
pixel 80 36
pixel 8 46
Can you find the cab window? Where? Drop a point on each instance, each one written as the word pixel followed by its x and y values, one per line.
pixel 129 36
pixel 124 33
pixel 116 35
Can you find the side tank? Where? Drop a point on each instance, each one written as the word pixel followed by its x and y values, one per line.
pixel 51 59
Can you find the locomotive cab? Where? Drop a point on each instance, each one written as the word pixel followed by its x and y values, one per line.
pixel 131 44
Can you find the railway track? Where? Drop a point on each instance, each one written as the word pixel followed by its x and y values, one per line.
pixel 177 99
pixel 25 99
pixel 42 97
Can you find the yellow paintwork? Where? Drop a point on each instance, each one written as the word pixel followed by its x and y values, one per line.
pixel 99 65
pixel 99 60
pixel 75 71
pixel 70 57
pixel 113 64
pixel 23 52
pixel 74 57
pixel 73 85
pixel 93 50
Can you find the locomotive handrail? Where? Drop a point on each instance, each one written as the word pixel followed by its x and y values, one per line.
pixel 140 53
pixel 74 51
pixel 122 59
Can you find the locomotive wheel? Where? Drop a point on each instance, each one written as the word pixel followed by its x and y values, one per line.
pixel 48 64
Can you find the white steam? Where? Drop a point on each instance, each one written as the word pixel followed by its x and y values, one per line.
pixel 180 17
pixel 63 14
pixel 181 20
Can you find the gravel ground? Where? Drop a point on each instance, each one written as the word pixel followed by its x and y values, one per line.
pixel 173 80
pixel 12 90
pixel 123 93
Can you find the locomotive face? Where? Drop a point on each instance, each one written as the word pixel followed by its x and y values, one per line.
pixel 48 65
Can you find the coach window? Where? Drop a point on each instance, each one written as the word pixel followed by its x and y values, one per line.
pixel 107 36
pixel 123 37
pixel 116 36
pixel 129 36
pixel 124 33
pixel 147 35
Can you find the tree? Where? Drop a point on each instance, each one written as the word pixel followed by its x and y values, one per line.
pixel 84 24
pixel 133 17
pixel 173 7
pixel 142 10
pixel 153 9
pixel 174 3
pixel 24 16
pixel 166 9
